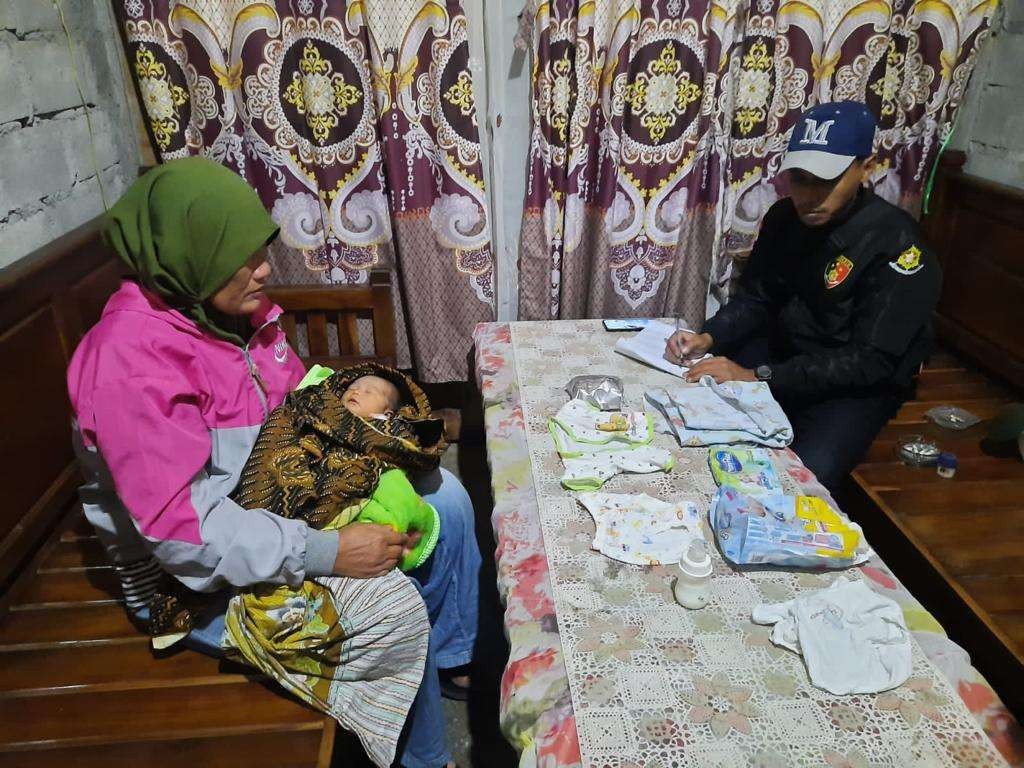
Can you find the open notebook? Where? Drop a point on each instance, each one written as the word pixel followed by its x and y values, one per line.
pixel 648 347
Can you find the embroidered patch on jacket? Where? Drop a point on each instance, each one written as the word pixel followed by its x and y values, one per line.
pixel 908 262
pixel 838 270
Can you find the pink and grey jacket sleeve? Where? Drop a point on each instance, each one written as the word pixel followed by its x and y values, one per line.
pixel 165 420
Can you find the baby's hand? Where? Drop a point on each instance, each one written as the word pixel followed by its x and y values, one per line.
pixel 412 539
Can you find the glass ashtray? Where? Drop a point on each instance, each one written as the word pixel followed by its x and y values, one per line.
pixel 917 450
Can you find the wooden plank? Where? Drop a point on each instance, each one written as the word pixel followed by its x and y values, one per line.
pixel 964 553
pixel 996 594
pixel 960 392
pixel 125 663
pixel 348 333
pixel 66 625
pixel 287 320
pixel 883 450
pixel 937 377
pixel 942 360
pixel 913 411
pixel 291 747
pixel 36 446
pixel 96 717
pixel 934 498
pixel 1012 623
pixel 95 585
pixel 895 475
pixel 316 330
pixel 906 534
pixel 78 553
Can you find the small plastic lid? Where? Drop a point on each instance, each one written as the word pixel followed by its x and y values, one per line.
pixel 696 561
pixel 946 460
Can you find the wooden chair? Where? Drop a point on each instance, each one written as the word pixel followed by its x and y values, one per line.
pixel 321 310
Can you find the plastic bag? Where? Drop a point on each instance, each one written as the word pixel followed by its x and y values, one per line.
pixel 604 392
pixel 951 417
pixel 748 470
pixel 800 531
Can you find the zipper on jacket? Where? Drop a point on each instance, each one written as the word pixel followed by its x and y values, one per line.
pixel 254 372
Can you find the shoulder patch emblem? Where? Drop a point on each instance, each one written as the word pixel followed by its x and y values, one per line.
pixel 908 262
pixel 837 270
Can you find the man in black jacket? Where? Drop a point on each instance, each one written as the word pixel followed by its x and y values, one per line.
pixel 833 310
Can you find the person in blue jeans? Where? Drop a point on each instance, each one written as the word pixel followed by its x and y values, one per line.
pixel 170 391
pixel 447 582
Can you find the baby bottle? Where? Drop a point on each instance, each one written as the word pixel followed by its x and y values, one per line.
pixel 692 588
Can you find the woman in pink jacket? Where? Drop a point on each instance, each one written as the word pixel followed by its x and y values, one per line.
pixel 169 392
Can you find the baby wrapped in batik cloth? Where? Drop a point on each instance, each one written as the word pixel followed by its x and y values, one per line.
pixel 317 460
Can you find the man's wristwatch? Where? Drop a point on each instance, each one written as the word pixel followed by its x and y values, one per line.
pixel 763 373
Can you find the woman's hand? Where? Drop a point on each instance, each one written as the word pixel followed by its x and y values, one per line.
pixel 366 550
pixel 720 369
pixel 687 345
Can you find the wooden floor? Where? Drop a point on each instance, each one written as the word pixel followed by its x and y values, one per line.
pixel 80 686
pixel 970 529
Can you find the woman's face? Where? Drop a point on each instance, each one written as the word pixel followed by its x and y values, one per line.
pixel 243 293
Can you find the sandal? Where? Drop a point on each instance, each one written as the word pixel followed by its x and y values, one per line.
pixel 449 688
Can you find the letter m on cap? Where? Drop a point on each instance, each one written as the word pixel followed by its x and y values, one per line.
pixel 816 134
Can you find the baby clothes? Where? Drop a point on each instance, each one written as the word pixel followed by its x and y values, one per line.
pixel 708 413
pixel 596 445
pixel 853 640
pixel 639 529
pixel 589 472
pixel 747 470
pixel 580 427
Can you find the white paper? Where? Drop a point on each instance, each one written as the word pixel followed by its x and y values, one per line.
pixel 648 347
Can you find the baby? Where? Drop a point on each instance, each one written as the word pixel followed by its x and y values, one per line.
pixel 371 397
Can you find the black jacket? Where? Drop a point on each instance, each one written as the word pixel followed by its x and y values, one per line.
pixel 848 305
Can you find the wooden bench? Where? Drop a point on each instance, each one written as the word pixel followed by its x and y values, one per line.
pixel 78 684
pixel 959 544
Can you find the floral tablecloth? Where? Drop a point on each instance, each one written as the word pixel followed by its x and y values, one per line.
pixel 537 706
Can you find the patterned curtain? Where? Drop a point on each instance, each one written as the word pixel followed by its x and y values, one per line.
pixel 658 129
pixel 355 122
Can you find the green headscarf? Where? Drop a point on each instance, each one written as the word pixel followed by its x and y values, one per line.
pixel 185 228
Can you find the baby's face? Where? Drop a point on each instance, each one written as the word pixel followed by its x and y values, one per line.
pixel 370 395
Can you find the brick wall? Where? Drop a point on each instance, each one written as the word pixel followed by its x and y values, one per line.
pixel 991 123
pixel 47 173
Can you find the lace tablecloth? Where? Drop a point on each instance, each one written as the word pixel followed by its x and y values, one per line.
pixel 653 683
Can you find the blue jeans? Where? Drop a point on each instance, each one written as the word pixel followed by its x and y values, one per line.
pixel 447 582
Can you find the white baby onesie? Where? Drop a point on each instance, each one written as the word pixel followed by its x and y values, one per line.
pixel 639 529
pixel 589 471
pixel 853 640
pixel 592 455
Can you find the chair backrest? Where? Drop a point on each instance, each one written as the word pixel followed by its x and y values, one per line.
pixel 323 311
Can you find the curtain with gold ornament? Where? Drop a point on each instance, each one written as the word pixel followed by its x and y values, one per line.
pixel 659 125
pixel 356 124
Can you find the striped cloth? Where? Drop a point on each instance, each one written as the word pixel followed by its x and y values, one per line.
pixel 353 648
pixel 140 580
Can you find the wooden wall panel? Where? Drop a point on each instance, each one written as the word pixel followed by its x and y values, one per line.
pixel 47 301
pixel 978 229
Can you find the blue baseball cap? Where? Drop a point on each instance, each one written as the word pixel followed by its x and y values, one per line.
pixel 828 137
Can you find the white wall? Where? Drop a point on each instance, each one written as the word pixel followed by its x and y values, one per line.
pixel 991 123
pixel 47 167
pixel 502 89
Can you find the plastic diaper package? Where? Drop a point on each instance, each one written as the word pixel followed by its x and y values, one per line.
pixel 776 529
pixel 747 470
